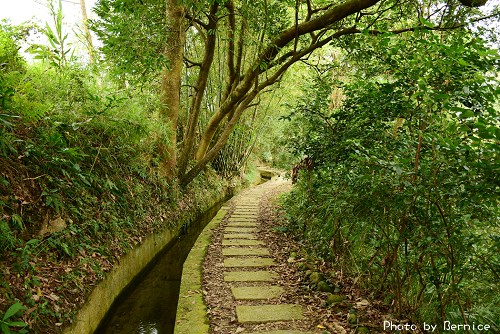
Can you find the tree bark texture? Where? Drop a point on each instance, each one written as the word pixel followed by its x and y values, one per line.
pixel 171 85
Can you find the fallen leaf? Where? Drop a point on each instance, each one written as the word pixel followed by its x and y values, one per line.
pixel 363 303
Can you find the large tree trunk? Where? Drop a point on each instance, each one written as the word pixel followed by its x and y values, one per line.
pixel 171 85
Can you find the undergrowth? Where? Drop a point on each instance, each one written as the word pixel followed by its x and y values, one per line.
pixel 78 184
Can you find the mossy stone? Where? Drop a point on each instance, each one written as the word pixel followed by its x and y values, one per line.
pixel 244 251
pixel 363 330
pixel 333 299
pixel 324 287
pixel 301 266
pixel 268 313
pixel 310 265
pixel 281 332
pixel 352 317
pixel 249 262
pixel 316 277
pixel 250 276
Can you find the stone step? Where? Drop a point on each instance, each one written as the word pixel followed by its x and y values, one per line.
pixel 248 262
pixel 241 229
pixel 242 219
pixel 240 236
pixel 250 276
pixel 256 292
pixel 241 242
pixel 268 313
pixel 244 251
pixel 280 331
pixel 245 213
pixel 242 224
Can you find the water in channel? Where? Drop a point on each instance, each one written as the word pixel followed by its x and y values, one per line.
pixel 149 305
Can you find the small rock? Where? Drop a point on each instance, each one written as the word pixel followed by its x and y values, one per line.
pixel 324 287
pixel 301 266
pixel 334 299
pixel 352 317
pixel 363 330
pixel 52 226
pixel 363 303
pixel 316 277
pixel 310 265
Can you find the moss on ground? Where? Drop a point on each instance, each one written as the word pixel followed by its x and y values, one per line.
pixel 191 310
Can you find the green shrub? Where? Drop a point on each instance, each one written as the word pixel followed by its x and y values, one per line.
pixel 403 187
pixel 11 68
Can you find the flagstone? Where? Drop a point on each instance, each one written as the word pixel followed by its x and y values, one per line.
pixel 241 229
pixel 240 236
pixel 250 276
pixel 243 220
pixel 242 224
pixel 281 332
pixel 241 242
pixel 244 251
pixel 249 262
pixel 268 313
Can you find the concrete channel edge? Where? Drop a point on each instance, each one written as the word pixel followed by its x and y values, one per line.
pixel 191 309
pixel 103 295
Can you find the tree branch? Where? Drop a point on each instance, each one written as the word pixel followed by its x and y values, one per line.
pixel 201 85
pixel 212 153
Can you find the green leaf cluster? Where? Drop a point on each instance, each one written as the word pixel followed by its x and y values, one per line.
pixel 6 322
pixel 57 53
pixel 404 189
pixel 133 35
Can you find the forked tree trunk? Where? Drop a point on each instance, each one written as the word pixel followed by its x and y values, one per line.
pixel 201 85
pixel 171 85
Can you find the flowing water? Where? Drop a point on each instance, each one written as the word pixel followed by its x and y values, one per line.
pixel 149 305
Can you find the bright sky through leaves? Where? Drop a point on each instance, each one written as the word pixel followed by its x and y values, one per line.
pixel 19 11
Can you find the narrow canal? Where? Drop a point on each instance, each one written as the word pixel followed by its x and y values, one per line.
pixel 149 305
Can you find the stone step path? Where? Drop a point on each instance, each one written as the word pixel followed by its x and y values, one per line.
pixel 248 269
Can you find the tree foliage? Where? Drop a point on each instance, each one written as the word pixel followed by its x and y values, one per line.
pixel 404 189
pixel 260 41
pixel 135 40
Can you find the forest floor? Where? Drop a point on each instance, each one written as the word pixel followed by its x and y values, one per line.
pixel 253 266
